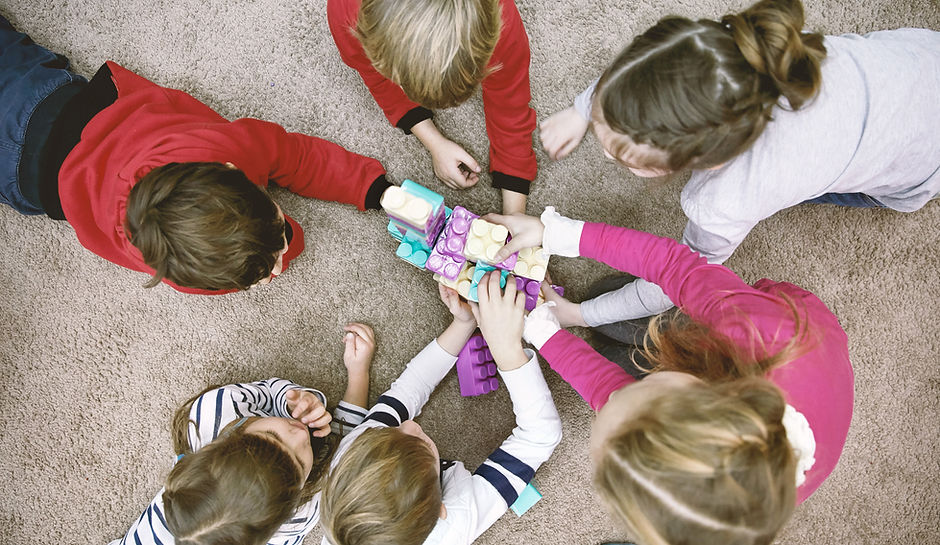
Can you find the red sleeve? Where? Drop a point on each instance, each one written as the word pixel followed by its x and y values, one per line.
pixel 593 376
pixel 264 151
pixel 510 121
pixel 342 16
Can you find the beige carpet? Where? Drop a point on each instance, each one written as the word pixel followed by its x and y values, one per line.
pixel 92 365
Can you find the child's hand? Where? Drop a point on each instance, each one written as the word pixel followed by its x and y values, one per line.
pixel 360 347
pixel 457 306
pixel 453 165
pixel 526 232
pixel 562 132
pixel 567 313
pixel 499 314
pixel 540 325
pixel 306 407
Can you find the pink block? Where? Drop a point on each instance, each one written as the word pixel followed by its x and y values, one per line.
pixel 476 370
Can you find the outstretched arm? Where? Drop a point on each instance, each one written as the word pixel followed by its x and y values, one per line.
pixel 410 391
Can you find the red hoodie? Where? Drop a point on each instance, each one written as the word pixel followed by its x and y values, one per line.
pixel 149 126
pixel 509 119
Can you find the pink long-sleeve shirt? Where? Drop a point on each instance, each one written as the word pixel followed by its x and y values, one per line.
pixel 819 384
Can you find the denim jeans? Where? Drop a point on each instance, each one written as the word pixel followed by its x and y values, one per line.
pixel 29 73
pixel 857 200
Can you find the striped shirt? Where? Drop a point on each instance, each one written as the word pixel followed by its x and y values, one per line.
pixel 210 414
pixel 474 501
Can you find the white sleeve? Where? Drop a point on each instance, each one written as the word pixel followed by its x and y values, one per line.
pixel 637 299
pixel 582 102
pixel 410 391
pixel 506 472
pixel 217 408
pixel 346 417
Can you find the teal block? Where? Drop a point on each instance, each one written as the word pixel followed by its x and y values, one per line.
pixel 529 497
pixel 395 231
pixel 418 190
pixel 478 273
pixel 413 251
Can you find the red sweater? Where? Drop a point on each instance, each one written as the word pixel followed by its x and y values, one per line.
pixel 819 384
pixel 149 126
pixel 509 119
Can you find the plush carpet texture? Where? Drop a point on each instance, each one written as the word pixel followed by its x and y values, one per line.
pixel 92 364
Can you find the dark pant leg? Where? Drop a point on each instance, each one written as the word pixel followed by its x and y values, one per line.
pixel 855 200
pixel 29 73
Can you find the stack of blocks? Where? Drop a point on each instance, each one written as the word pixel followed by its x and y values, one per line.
pixel 447 242
pixel 476 370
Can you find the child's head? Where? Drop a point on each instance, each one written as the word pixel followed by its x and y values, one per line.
pixel 436 51
pixel 695 462
pixel 385 489
pixel 697 450
pixel 700 92
pixel 244 485
pixel 205 226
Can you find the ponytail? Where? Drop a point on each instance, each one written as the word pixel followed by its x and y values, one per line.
pixel 769 36
pixel 703 91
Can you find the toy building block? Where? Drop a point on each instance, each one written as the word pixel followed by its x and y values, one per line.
pixel 415 209
pixel 484 240
pixel 476 371
pixel 461 283
pixel 478 273
pixel 407 208
pixel 445 265
pixel 454 237
pixel 413 251
pixel 418 190
pixel 527 498
pixel 533 293
pixel 531 263
pixel 397 232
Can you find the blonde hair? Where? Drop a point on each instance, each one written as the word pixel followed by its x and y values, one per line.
pixel 703 91
pixel 436 50
pixel 385 489
pixel 710 464
pixel 239 488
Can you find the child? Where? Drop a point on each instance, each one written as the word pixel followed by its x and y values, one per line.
pixel 747 407
pixel 387 483
pixel 251 458
pixel 154 180
pixel 420 54
pixel 767 117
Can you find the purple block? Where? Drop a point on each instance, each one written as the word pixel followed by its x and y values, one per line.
pixel 445 265
pixel 454 237
pixel 531 289
pixel 476 370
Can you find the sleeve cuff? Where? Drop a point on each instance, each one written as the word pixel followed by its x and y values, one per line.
pixel 582 102
pixel 562 235
pixel 374 195
pixel 510 183
pixel 413 117
pixel 540 325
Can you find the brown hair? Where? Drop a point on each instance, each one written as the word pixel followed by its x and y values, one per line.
pixel 703 90
pixel 239 488
pixel 710 464
pixel 204 226
pixel 436 51
pixel 385 489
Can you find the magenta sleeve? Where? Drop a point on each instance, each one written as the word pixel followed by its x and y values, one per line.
pixel 593 376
